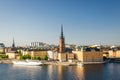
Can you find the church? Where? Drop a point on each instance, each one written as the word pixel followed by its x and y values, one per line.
pixel 63 55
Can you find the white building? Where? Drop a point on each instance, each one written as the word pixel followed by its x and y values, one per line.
pixel 52 55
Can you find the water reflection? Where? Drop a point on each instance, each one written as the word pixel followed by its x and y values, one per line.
pixel 80 72
pixel 56 72
pixel 93 72
pixel 110 71
pixel 25 72
pixel 88 72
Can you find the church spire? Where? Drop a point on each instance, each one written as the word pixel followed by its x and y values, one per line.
pixel 13 45
pixel 61 31
pixel 62 42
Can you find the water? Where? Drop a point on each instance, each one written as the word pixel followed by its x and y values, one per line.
pixel 109 71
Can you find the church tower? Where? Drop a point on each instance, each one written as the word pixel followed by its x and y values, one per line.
pixel 62 42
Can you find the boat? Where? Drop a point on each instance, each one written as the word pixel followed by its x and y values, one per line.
pixel 27 62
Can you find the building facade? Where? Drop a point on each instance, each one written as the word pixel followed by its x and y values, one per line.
pixel 114 54
pixel 89 56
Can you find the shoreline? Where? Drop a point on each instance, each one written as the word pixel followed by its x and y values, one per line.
pixel 9 61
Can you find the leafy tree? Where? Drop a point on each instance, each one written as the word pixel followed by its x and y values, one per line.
pixel 3 56
pixel 37 58
pixel 27 56
pixel 46 57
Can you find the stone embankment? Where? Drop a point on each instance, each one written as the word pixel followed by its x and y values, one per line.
pixel 5 61
pixel 116 60
pixel 59 63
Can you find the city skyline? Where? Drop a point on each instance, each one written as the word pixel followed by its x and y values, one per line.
pixel 84 22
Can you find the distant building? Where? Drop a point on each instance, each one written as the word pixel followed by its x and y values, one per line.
pixel 13 45
pixel 2 48
pixel 12 48
pixel 36 44
pixel 2 45
pixel 12 51
pixel 40 46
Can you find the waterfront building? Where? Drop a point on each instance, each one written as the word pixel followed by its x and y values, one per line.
pixel 13 55
pixel 35 53
pixel 89 55
pixel 52 55
pixel 114 54
pixel 41 54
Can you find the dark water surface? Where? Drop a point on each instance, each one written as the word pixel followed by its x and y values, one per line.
pixel 109 71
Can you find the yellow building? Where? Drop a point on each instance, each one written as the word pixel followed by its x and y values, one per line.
pixel 33 54
pixel 13 55
pixel 89 56
pixel 65 56
pixel 62 57
pixel 2 50
pixel 40 54
pixel 114 54
pixel 118 54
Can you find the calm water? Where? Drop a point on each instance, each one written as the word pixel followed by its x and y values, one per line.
pixel 109 71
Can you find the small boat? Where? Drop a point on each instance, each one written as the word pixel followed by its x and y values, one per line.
pixel 28 62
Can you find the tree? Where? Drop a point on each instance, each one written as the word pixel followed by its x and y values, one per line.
pixel 27 56
pixel 37 58
pixel 46 57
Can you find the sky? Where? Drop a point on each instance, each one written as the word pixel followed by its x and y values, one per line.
pixel 85 22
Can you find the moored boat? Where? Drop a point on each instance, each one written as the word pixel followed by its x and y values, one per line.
pixel 28 62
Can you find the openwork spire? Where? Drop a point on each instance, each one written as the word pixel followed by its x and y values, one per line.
pixel 62 41
pixel 13 45
pixel 61 31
